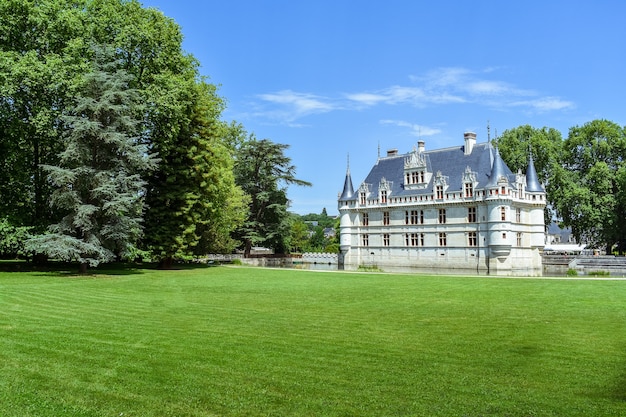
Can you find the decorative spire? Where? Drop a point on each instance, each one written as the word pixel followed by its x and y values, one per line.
pixel 498 169
pixel 532 180
pixel 348 189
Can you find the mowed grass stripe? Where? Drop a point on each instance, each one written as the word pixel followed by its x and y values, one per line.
pixel 242 341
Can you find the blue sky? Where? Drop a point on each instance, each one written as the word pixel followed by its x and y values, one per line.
pixel 333 78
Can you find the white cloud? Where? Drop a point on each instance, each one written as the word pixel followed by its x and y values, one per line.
pixel 293 105
pixel 545 104
pixel 415 129
pixel 440 86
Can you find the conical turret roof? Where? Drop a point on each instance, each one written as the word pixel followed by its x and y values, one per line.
pixel 498 169
pixel 348 190
pixel 532 181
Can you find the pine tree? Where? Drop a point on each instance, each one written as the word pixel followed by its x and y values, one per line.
pixel 98 180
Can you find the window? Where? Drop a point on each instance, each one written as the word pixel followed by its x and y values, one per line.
pixel 365 219
pixel 413 216
pixel 519 239
pixel 422 176
pixel 439 191
pixel 442 239
pixel 363 199
pixel 518 215
pixel 386 239
pixel 365 239
pixel 421 216
pixel 442 216
pixel 414 178
pixel 471 239
pixel 469 189
pixel 503 190
pixel 406 217
pixel 503 213
pixel 414 239
pixel 383 196
pixel 504 236
pixel 386 218
pixel 471 214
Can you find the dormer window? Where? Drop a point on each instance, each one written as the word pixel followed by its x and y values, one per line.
pixel 384 189
pixel 469 189
pixel 469 181
pixel 415 177
pixel 364 190
pixel 441 183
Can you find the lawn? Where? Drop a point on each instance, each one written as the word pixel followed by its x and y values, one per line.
pixel 237 341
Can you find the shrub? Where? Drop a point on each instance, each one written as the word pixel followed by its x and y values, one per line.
pixel 599 273
pixel 12 239
pixel 572 273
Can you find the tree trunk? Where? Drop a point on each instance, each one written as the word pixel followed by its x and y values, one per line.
pixel 82 269
pixel 247 249
pixel 166 263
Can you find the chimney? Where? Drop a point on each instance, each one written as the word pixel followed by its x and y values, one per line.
pixel 392 152
pixel 470 141
pixel 421 146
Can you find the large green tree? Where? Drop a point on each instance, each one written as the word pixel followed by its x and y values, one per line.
pixel 39 69
pixel 193 200
pixel 45 49
pixel 545 145
pixel 588 190
pixel 263 171
pixel 98 180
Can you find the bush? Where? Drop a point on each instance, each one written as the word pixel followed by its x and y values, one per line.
pixel 572 273
pixel 599 273
pixel 12 239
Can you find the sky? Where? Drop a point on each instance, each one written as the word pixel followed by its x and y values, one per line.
pixel 343 81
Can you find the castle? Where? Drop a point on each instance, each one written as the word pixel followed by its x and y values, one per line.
pixel 454 208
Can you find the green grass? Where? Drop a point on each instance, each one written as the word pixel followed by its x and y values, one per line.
pixel 229 341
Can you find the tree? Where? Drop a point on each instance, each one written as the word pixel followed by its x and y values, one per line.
pixel 545 145
pixel 299 236
pixel 263 171
pixel 193 200
pixel 38 82
pixel 45 50
pixel 588 190
pixel 98 181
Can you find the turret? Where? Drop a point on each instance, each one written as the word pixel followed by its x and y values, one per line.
pixel 345 236
pixel 532 181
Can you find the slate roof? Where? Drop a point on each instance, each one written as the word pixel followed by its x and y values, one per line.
pixel 452 162
pixel 348 189
pixel 532 181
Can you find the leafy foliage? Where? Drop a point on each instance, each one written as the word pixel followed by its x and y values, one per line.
pixel 263 171
pixel 588 190
pixel 193 201
pixel 12 239
pixel 98 182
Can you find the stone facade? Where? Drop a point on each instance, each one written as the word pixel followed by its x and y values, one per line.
pixel 456 208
